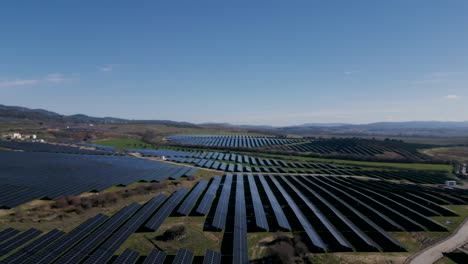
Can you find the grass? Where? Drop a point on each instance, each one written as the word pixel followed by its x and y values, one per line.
pixel 418 166
pixel 124 143
pixel 445 260
pixel 2 148
pixel 448 153
pixel 453 222
pixel 395 165
pixel 195 240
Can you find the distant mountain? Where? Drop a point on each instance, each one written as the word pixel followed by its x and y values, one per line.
pixel 324 124
pixel 411 128
pixel 419 124
pixel 17 113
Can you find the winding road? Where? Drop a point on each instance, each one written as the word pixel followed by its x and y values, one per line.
pixel 434 252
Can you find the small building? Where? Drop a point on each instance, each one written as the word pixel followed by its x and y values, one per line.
pixel 450 183
pixel 13 135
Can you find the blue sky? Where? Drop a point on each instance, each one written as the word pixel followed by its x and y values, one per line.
pixel 243 62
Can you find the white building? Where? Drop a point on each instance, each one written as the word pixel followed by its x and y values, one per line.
pixel 15 136
pixel 450 183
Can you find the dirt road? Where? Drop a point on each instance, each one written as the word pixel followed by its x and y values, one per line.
pixel 433 253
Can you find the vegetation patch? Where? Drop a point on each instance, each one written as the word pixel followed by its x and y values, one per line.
pixel 124 143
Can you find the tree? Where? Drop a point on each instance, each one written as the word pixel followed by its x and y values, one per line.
pixel 149 136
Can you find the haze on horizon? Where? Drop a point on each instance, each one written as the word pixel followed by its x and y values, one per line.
pixel 243 62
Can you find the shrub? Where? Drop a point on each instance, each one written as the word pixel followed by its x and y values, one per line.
pixel 175 232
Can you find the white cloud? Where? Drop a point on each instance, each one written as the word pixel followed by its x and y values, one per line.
pixel 55 78
pixel 108 67
pixel 441 76
pixel 452 97
pixel 351 72
pixel 50 78
pixel 18 82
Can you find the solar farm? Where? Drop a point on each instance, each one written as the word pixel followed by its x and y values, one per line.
pixel 347 147
pixel 231 202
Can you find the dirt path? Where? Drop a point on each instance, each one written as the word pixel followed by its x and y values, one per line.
pixel 433 253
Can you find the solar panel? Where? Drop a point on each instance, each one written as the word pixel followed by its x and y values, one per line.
pixel 212 257
pixel 191 172
pixel 361 203
pixel 278 211
pixel 189 202
pixel 156 256
pixel 183 256
pixel 260 217
pixel 127 257
pixel 165 210
pixel 51 175
pixel 18 241
pixel 205 204
pixel 330 227
pixel 32 248
pixel 310 231
pixel 215 165
pixel 223 166
pixel 240 249
pixel 8 233
pixel 113 243
pixel 58 247
pixel 363 217
pixel 86 246
pixel 208 164
pixel 219 220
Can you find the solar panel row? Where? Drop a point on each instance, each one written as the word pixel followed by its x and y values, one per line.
pixel 161 215
pixel 219 220
pixel 127 257
pixel 17 241
pixel 34 247
pixel 236 141
pixel 156 256
pixel 58 247
pixel 373 225
pixel 7 233
pixel 105 251
pixel 278 211
pixel 308 228
pixel 205 204
pixel 52 175
pixel 260 217
pixel 212 257
pixel 86 246
pixel 316 211
pixel 240 248
pixel 183 256
pixel 366 239
pixel 189 202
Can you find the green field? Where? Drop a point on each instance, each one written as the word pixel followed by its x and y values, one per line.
pixel 123 143
pixel 418 166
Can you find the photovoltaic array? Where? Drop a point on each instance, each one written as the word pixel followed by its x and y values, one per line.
pixel 333 213
pixel 27 176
